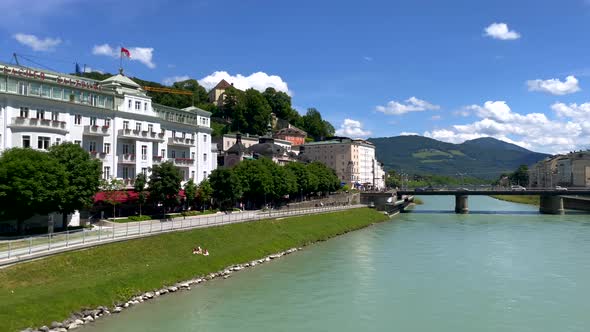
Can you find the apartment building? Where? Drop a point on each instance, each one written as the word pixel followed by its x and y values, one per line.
pixel 114 120
pixel 570 170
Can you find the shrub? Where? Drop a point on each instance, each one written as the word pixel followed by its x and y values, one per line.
pixel 139 218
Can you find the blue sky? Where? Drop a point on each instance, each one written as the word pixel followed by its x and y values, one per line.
pixel 451 70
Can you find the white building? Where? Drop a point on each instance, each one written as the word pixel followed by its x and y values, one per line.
pixel 114 120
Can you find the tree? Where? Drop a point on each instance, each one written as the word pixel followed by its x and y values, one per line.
pixel 83 174
pixel 30 183
pixel 190 192
pixel 393 179
pixel 139 186
pixel 255 180
pixel 520 176
pixel 164 184
pixel 114 192
pixel 257 111
pixel 226 187
pixel 315 126
pixel 204 193
pixel 280 104
pixel 327 179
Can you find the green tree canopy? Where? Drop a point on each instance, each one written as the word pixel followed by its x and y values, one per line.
pixel 190 192
pixel 164 184
pixel 280 104
pixel 83 175
pixel 315 126
pixel 204 193
pixel 139 186
pixel 226 187
pixel 31 182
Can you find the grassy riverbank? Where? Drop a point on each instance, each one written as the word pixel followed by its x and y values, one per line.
pixel 38 292
pixel 531 200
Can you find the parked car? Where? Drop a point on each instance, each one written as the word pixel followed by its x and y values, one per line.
pixel 560 188
pixel 517 188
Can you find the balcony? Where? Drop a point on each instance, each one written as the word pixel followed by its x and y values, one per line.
pixel 179 141
pixel 126 158
pixel 143 135
pixel 129 182
pixel 185 162
pixel 98 155
pixel 97 130
pixel 39 124
pixel 157 160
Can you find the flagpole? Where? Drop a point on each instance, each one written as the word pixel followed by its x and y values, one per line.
pixel 120 61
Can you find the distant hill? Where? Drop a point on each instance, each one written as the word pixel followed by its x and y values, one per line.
pixel 484 158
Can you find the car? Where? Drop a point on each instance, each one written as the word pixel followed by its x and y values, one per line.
pixel 463 189
pixel 517 188
pixel 560 188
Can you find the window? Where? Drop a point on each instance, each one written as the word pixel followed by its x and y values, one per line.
pixel 137 105
pixel 55 116
pixel 144 171
pixel 43 142
pixel 193 136
pixel 204 157
pixel 145 106
pixel 125 148
pixel 106 172
pixel 40 114
pixel 163 153
pixel 129 104
pixel 107 148
pixel 204 174
pixel 24 112
pixel 174 133
pixel 78 142
pixel 126 172
pixel 125 124
pixel 57 141
pixel 144 152
pixel 173 154
pixel 93 121
pixel 183 135
pixel 77 119
pixel 182 174
pixel 26 141
pixel 193 156
pixel 205 138
pixel 23 88
pixel 107 122
pixel 92 146
pixel 150 128
pixel 93 100
pixel 138 126
pixel 183 154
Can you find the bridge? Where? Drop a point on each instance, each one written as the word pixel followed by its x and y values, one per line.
pixel 551 201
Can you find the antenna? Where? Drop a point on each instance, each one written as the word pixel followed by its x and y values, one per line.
pixel 15 59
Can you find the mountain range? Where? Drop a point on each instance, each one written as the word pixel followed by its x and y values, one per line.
pixel 484 158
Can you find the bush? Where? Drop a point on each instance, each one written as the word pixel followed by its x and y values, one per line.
pixel 190 213
pixel 139 218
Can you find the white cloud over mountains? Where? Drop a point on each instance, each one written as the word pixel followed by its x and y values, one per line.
pixel 411 104
pixel 554 86
pixel 532 130
pixel 258 81
pixel 501 31
pixel 174 79
pixel 352 128
pixel 141 54
pixel 36 43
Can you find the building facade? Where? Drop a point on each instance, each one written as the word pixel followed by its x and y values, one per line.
pixel 217 94
pixel 114 120
pixel 352 159
pixel 292 134
pixel 570 170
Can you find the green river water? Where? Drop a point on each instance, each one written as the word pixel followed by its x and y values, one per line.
pixel 429 270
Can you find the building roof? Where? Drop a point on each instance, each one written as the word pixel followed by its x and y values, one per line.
pixel 267 149
pixel 292 131
pixel 223 84
pixel 123 80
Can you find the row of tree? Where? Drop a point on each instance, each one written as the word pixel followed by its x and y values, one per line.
pixel 260 182
pixel 33 182
pixel 520 176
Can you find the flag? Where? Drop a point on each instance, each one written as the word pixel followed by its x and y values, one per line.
pixel 78 72
pixel 125 52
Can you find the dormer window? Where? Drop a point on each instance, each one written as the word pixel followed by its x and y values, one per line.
pixel 129 104
pixel 145 106
pixel 138 105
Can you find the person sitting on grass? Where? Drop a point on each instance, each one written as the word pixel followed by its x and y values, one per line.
pixel 206 253
pixel 197 250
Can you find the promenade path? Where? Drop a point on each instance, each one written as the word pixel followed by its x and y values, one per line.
pixel 15 251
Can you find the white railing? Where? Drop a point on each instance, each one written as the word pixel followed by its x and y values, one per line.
pixel 59 126
pixel 12 251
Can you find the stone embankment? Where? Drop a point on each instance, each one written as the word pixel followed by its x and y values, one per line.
pixel 87 316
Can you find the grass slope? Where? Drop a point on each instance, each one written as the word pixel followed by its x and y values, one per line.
pixel 531 200
pixel 38 292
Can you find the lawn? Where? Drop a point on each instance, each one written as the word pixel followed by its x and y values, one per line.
pixel 525 199
pixel 38 292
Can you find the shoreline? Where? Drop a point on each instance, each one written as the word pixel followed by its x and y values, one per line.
pixel 245 244
pixel 528 200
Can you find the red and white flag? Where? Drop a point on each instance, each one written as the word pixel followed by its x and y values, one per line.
pixel 125 52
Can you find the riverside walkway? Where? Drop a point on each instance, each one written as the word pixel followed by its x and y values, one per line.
pixel 15 251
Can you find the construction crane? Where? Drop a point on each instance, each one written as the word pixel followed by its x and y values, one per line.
pixel 168 90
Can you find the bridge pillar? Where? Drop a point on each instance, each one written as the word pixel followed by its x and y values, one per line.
pixel 461 204
pixel 551 204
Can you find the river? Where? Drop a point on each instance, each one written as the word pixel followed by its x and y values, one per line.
pixel 430 270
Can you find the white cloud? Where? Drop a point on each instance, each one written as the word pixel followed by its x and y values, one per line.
pixel 352 128
pixel 406 133
pixel 532 130
pixel 141 54
pixel 554 86
pixel 259 81
pixel 412 104
pixel 88 69
pixel 36 43
pixel 464 112
pixel 501 31
pixel 435 117
pixel 174 79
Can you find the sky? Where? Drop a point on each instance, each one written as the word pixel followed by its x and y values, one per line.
pixel 452 70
